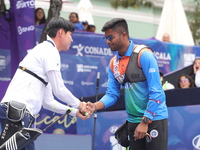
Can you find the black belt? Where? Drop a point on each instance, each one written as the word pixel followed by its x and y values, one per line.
pixel 33 74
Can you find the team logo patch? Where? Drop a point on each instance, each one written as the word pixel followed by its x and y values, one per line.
pixel 154 133
pixel 152 70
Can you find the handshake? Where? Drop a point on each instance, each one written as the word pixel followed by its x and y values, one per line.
pixel 85 110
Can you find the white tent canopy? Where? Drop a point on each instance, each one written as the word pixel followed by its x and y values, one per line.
pixel 85 7
pixel 174 22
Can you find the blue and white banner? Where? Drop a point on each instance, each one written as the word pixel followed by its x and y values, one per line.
pixel 171 56
pixel 5 65
pixel 184 131
pixel 89 54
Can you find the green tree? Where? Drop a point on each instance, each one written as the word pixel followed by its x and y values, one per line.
pixel 54 11
pixel 194 22
pixel 2 6
pixel 130 3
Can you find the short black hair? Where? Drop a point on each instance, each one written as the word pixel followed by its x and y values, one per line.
pixel 161 74
pixel 91 26
pixel 117 24
pixel 57 23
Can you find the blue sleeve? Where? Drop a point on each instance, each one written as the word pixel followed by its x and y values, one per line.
pixel 148 62
pixel 112 92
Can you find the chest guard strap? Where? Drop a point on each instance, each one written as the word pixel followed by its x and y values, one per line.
pixel 134 72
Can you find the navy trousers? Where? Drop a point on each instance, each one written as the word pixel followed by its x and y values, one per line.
pixel 159 132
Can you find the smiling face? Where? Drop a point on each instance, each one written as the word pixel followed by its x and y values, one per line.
pixel 184 82
pixel 196 65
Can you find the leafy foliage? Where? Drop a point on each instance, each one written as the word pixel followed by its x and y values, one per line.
pixel 2 7
pixel 54 11
pixel 130 3
pixel 195 22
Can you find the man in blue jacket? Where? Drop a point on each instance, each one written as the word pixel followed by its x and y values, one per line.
pixel 135 68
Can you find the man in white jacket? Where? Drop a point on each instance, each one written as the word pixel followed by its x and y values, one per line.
pixel 44 62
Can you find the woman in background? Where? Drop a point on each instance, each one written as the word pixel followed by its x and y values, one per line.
pixel 40 16
pixel 74 18
pixel 195 68
pixel 185 81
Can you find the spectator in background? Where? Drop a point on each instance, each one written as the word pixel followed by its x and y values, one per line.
pixel 195 74
pixel 145 99
pixel 85 24
pixel 73 17
pixel 40 78
pixel 40 16
pixel 165 84
pixel 185 81
pixel 166 37
pixel 197 79
pixel 91 28
pixel 195 68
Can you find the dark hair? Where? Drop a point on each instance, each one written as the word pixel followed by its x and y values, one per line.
pixel 74 14
pixel 43 19
pixel 161 75
pixel 192 70
pixel 160 72
pixel 188 77
pixel 117 24
pixel 90 26
pixel 57 23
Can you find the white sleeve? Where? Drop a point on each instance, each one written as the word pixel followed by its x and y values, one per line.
pixel 51 104
pixel 197 78
pixel 59 89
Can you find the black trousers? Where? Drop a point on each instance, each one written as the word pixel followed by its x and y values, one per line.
pixel 26 120
pixel 159 132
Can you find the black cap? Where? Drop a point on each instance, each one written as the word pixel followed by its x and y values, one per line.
pixel 161 74
pixel 85 22
pixel 112 22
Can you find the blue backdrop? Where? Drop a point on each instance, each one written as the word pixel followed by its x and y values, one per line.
pixel 90 54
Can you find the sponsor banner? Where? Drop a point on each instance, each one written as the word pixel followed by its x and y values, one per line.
pixel 171 56
pixel 80 73
pixel 89 54
pixel 66 125
pixel 24 14
pixel 5 65
pixel 89 44
pixel 184 131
